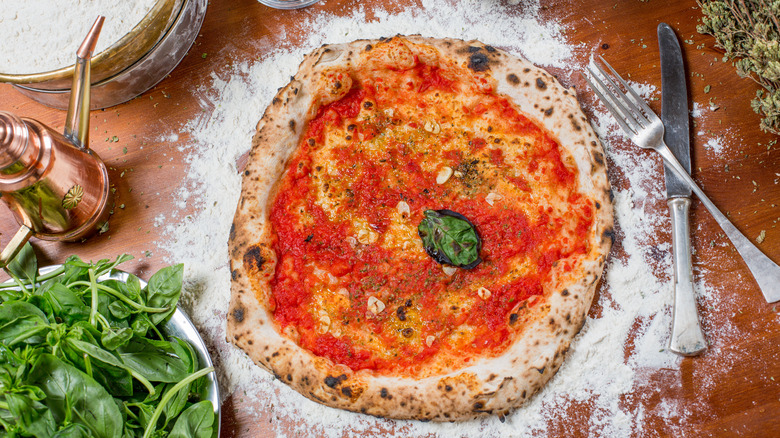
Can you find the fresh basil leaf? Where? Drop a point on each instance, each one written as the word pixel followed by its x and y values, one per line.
pixel 176 404
pixel 156 366
pixel 450 238
pixel 25 264
pixel 119 310
pixel 31 416
pixel 141 325
pixel 65 304
pixel 22 322
pixel 196 421
pixel 163 290
pixel 71 393
pixel 73 430
pixel 115 337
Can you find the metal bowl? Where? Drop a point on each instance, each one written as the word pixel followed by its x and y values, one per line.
pixel 288 4
pixel 180 326
pixel 132 65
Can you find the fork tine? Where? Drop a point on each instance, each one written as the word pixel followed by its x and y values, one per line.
pixel 631 110
pixel 637 99
pixel 630 131
pixel 617 103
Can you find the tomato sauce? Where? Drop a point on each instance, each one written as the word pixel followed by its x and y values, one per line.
pixel 413 290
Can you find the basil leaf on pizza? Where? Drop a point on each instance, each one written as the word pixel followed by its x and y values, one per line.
pixel 450 238
pixel 382 168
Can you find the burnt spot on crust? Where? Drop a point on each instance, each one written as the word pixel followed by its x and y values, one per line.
pixel 598 157
pixel 513 318
pixel 541 84
pixel 333 382
pixel 479 405
pixel 597 204
pixel 369 47
pixel 384 393
pixel 232 231
pixel 234 274
pixel 548 112
pixel 347 391
pixel 291 124
pixel 609 233
pixel 490 49
pixel 540 370
pixel 565 292
pixel 526 70
pixel 238 314
pixel 276 101
pixel 254 258
pixel 513 79
pixel 474 49
pixel 478 61
pixel 448 388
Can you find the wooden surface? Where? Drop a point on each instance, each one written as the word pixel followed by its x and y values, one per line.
pixel 742 181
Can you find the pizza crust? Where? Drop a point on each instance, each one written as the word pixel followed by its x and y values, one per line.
pixel 490 386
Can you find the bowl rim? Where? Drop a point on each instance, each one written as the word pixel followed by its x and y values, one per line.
pixel 62 72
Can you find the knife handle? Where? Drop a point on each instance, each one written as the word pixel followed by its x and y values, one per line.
pixel 687 337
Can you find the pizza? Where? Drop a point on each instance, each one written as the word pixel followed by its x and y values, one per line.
pixel 421 228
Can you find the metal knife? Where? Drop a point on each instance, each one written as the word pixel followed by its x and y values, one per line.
pixel 687 337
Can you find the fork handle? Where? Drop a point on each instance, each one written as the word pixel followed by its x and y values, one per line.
pixel 764 270
pixel 687 338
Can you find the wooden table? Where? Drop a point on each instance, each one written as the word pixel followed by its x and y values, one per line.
pixel 743 182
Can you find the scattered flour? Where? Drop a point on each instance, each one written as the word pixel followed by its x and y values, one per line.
pixel 46 33
pixel 620 345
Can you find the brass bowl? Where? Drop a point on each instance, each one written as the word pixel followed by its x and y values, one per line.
pixel 130 66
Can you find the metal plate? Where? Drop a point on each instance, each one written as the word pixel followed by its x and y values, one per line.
pixel 182 327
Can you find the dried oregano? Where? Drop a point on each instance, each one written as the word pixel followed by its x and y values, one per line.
pixel 749 32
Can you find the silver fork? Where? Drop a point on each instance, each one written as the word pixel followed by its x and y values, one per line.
pixel 646 130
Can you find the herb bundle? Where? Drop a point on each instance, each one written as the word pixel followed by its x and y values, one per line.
pixel 749 32
pixel 82 355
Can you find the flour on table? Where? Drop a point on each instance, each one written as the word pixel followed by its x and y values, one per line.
pixel 43 35
pixel 613 354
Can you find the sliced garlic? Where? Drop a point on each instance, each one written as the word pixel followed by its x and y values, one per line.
pixel 367 237
pixel 403 208
pixel 444 174
pixel 458 174
pixel 484 293
pixel 324 323
pixel 343 291
pixel 449 270
pixel 332 279
pixel 493 197
pixel 429 340
pixel 375 306
pixel 352 241
pixel 389 112
pixel 432 127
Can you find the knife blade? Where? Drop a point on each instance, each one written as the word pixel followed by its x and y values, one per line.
pixel 687 337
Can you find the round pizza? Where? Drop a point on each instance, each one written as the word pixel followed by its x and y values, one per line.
pixel 421 229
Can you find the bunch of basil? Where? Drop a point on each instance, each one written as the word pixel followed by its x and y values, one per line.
pixel 83 356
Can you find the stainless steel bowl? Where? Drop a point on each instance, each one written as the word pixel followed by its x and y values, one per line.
pixel 180 326
pixel 132 65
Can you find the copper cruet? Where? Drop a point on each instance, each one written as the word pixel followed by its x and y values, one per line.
pixel 55 186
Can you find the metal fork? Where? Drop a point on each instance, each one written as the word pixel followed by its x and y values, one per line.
pixel 646 130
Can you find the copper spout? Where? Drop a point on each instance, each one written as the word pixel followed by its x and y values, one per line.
pixel 77 120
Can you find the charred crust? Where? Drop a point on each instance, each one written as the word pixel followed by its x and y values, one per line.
pixel 490 49
pixel 479 405
pixel 331 381
pixel 238 314
pixel 609 233
pixel 513 79
pixel 346 390
pixel 254 258
pixel 541 84
pixel 368 47
pixel 384 393
pixel 447 388
pixel 526 70
pixel 565 292
pixel 548 112
pixel 474 49
pixel 232 231
pixel 234 274
pixel 276 354
pixel 597 204
pixel 513 318
pixel 478 61
pixel 291 124
pixel 246 173
pixel 598 157
pixel 276 101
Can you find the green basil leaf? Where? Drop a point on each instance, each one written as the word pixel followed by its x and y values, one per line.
pixel 22 322
pixel 65 304
pixel 450 238
pixel 73 430
pixel 115 337
pixel 72 394
pixel 163 290
pixel 196 421
pixel 25 264
pixel 31 416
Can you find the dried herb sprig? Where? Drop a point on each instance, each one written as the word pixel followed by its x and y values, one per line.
pixel 749 33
